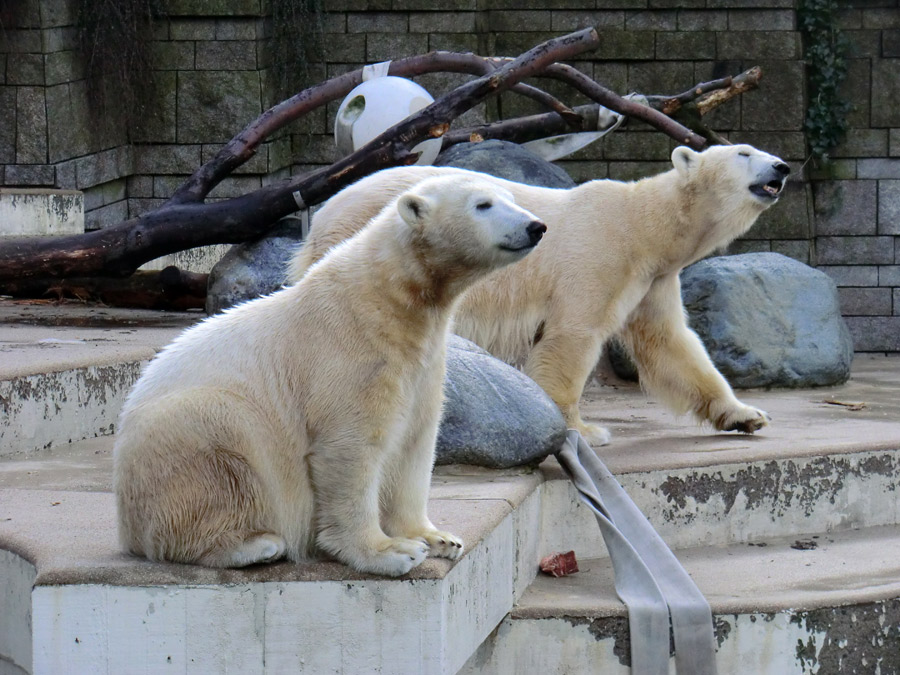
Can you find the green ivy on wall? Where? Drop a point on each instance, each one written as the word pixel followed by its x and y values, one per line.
pixel 825 51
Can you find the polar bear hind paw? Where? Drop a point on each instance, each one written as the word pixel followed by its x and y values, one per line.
pixel 262 548
pixel 745 420
pixel 396 558
pixel 443 544
pixel 594 434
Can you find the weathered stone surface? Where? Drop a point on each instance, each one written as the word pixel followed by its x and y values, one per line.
pixel 25 69
pixel 8 130
pixel 68 120
pixel 791 220
pixel 30 175
pixel 783 108
pixel 798 249
pixel 854 250
pixel 885 92
pixel 505 160
pixel 494 415
pixel 889 207
pixel 865 301
pixel 768 320
pixel 681 45
pixel 213 104
pixel 254 268
pixel 31 140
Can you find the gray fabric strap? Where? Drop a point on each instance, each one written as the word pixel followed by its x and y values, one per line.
pixel 648 577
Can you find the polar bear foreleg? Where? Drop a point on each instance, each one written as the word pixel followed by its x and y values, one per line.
pixel 674 365
pixel 405 494
pixel 561 362
pixel 348 482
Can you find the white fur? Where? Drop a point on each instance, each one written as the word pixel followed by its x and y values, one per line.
pixel 307 419
pixel 609 265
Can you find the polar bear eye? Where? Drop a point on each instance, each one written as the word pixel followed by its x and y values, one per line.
pixel 483 206
pixel 744 154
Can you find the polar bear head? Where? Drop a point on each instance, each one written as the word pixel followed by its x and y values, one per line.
pixel 734 182
pixel 472 224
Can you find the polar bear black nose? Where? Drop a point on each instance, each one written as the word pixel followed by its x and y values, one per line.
pixel 535 230
pixel 782 168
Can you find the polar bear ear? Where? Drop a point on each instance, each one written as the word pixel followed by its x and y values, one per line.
pixel 683 159
pixel 414 210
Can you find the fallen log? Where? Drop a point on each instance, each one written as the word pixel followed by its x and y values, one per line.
pixel 169 289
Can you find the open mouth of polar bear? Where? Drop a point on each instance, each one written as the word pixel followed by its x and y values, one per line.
pixel 770 190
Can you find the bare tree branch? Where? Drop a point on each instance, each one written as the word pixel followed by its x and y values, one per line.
pixel 186 222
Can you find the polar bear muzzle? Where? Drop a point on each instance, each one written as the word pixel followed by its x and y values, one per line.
pixel 771 181
pixel 527 239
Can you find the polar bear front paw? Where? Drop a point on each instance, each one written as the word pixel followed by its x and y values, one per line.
pixel 745 419
pixel 443 544
pixel 396 558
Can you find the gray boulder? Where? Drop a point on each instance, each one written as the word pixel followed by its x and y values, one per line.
pixel 768 320
pixel 494 415
pixel 505 160
pixel 253 268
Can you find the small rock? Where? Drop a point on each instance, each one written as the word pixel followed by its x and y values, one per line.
pixel 505 160
pixel 494 415
pixel 768 320
pixel 253 268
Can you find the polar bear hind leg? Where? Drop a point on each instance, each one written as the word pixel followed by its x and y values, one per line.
pixel 561 363
pixel 189 495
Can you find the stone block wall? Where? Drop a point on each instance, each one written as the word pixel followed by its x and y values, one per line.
pixel 211 60
pixel 857 199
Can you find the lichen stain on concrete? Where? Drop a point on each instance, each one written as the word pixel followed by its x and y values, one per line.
pixel 722 628
pixel 615 627
pixel 859 639
pixel 774 485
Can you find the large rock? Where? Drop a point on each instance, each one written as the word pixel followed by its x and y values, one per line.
pixel 253 268
pixel 505 160
pixel 768 320
pixel 494 415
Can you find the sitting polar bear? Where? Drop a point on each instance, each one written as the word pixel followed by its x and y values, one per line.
pixel 609 265
pixel 308 418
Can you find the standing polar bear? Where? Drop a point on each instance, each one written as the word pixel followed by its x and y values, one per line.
pixel 609 265
pixel 308 418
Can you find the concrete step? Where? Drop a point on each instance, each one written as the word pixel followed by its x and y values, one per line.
pixel 819 467
pixel 29 212
pixel 812 603
pixel 74 603
pixel 65 369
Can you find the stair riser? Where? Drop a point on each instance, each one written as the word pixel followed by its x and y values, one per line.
pixel 739 503
pixel 407 626
pixel 859 639
pixel 41 411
